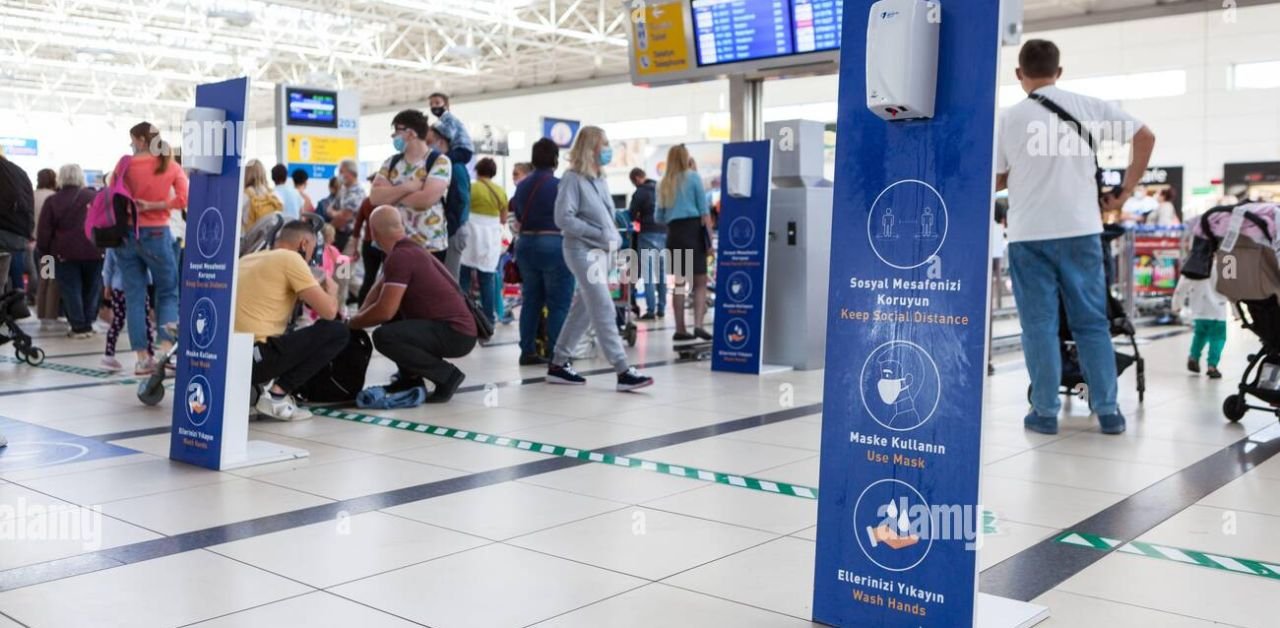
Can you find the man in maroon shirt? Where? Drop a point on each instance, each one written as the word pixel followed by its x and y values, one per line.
pixel 421 316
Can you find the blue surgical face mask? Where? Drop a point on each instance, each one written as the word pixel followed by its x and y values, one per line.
pixel 398 143
pixel 606 155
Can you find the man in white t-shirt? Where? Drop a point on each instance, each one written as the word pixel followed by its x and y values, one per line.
pixel 1054 220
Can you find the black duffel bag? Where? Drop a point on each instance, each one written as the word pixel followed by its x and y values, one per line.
pixel 341 380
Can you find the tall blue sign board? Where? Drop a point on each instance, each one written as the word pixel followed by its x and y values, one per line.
pixel 208 293
pixel 740 262
pixel 898 515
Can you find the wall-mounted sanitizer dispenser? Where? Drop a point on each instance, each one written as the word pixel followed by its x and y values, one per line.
pixel 205 150
pixel 902 58
pixel 738 177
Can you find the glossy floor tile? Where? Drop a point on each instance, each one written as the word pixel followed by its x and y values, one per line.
pixel 170 591
pixel 496 586
pixel 515 538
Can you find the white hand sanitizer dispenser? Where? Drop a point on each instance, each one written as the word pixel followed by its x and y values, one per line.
pixel 902 58
pixel 738 177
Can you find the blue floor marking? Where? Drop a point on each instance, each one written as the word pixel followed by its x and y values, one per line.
pixel 35 446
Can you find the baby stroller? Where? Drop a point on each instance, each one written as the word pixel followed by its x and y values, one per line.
pixel 13 307
pixel 1073 382
pixel 1242 241
pixel 260 237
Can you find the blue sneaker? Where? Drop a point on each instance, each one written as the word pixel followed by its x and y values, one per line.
pixel 1040 424
pixel 1111 423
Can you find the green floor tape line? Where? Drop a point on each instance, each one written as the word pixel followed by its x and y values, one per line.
pixel 1173 554
pixel 63 368
pixel 767 486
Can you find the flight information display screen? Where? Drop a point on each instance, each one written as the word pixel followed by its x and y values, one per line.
pixel 727 31
pixel 817 24
pixel 308 107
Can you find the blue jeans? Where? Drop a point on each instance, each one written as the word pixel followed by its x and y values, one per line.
pixel 1072 268
pixel 653 269
pixel 545 282
pixel 486 289
pixel 17 267
pixel 81 286
pixel 151 251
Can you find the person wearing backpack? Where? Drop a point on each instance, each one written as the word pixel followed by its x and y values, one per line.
pixel 457 202
pixel 17 220
pixel 1046 156
pixel 415 180
pixel 158 186
pixel 77 262
pixel 257 200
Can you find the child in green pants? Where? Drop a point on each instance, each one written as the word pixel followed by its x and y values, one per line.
pixel 1209 310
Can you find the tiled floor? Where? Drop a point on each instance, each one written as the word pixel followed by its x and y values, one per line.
pixel 586 544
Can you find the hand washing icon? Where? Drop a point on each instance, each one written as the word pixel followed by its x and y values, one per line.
pixel 195 398
pixel 895 531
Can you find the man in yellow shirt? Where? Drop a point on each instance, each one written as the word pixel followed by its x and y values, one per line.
pixel 269 286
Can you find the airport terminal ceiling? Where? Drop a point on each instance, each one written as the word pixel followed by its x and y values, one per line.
pixel 144 57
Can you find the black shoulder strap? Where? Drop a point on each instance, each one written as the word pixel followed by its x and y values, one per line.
pixel 1072 122
pixel 398 157
pixel 1067 118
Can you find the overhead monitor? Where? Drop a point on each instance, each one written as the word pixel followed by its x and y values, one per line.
pixel 817 24
pixel 311 107
pixel 731 31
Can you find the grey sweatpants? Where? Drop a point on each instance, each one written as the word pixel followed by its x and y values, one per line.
pixel 592 307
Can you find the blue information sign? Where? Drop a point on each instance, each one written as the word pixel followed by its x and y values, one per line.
pixel 741 30
pixel 740 262
pixel 208 290
pixel 560 131
pixel 317 171
pixel 898 516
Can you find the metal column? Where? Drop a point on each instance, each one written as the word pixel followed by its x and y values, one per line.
pixel 746 108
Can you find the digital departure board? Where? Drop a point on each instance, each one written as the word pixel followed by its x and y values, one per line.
pixel 817 24
pixel 311 107
pixel 727 31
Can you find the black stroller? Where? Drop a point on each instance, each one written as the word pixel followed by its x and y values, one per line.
pixel 1073 382
pixel 13 307
pixel 1252 290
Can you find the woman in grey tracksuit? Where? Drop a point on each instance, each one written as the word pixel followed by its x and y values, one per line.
pixel 584 214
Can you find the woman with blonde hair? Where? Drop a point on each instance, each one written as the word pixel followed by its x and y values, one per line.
pixel 257 200
pixel 682 206
pixel 584 214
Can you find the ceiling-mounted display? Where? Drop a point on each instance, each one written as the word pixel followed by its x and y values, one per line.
pixel 729 31
pixel 817 24
pixel 758 38
pixel 311 107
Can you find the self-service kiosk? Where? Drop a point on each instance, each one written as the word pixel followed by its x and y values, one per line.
pixel 795 331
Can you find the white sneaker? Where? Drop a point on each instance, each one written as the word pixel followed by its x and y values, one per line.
pixel 111 364
pixel 282 409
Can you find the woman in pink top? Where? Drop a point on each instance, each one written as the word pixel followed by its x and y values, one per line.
pixel 159 186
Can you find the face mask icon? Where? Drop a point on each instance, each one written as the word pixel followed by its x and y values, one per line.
pixel 201 324
pixel 891 389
